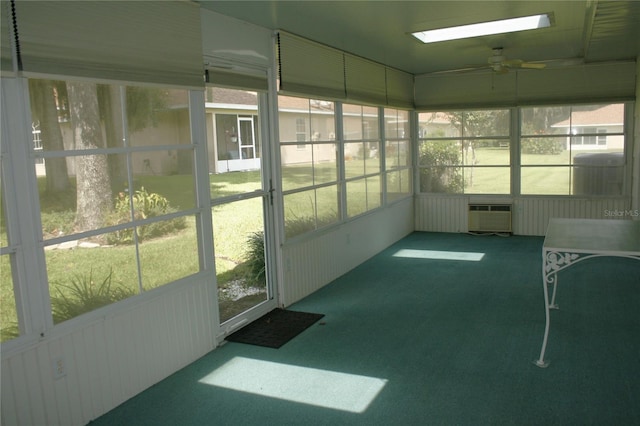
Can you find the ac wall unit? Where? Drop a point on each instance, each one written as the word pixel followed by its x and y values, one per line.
pixel 490 218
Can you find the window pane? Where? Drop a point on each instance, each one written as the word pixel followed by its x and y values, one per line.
pixel 544 150
pixel 327 202
pixel 354 155
pixel 309 210
pixel 441 179
pixel 360 122
pixel 178 248
pixel 226 184
pixel 79 193
pixel 370 123
pixel 487 180
pixel 598 173
pixel 438 125
pixel 374 192
pixel 156 116
pixel 545 120
pixel 299 213
pixel 396 124
pixel 86 275
pixel 323 124
pixel 175 184
pixel 356 197
pixel 483 122
pixel 398 184
pixel 546 180
pixel 325 163
pixel 297 166
pixel 440 153
pixel 352 122
pixel 293 118
pixel 8 314
pixel 491 153
pixel 372 157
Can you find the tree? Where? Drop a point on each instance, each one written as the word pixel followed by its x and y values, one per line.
pixel 43 96
pixel 94 196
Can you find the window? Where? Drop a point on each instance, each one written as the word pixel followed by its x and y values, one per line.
pixel 398 163
pixel 8 313
pixel 310 169
pixel 362 158
pixel 573 150
pixel 465 152
pixel 117 193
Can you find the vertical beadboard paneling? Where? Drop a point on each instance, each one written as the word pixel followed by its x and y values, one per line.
pixel 108 360
pixel 311 264
pixel 442 213
pixel 531 215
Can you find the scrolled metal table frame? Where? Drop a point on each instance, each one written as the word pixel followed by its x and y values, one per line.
pixel 555 260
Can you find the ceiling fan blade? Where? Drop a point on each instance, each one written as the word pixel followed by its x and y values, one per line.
pixel 513 63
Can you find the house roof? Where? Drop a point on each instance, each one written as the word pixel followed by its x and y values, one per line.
pixel 221 95
pixel 607 115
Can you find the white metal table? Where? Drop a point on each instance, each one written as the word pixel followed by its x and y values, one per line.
pixel 569 241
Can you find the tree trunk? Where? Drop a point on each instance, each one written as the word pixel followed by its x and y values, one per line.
pixel 114 129
pixel 94 197
pixel 44 107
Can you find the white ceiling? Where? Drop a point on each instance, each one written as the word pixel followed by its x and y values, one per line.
pixel 587 30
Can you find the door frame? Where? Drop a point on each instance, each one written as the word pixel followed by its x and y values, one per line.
pixel 268 177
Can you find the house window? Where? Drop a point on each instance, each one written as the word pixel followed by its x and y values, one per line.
pixel 465 152
pixel 9 328
pixel 573 150
pixel 37 140
pixel 117 198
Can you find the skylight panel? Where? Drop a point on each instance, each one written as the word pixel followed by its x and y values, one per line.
pixel 523 23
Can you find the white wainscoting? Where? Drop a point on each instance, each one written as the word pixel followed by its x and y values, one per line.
pixel 108 360
pixel 311 264
pixel 530 215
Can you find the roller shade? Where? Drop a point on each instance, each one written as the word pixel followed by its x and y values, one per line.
pixel 140 41
pixel 6 63
pixel 399 88
pixel 236 79
pixel 584 83
pixel 590 82
pixel 365 80
pixel 309 68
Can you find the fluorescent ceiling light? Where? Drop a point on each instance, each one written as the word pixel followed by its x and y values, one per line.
pixel 484 28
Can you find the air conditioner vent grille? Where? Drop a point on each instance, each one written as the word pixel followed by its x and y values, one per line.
pixel 490 218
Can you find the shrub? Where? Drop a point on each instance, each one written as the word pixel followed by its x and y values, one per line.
pixel 549 146
pixel 255 261
pixel 441 175
pixel 145 205
pixel 84 295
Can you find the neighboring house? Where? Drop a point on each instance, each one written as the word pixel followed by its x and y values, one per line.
pixel 598 129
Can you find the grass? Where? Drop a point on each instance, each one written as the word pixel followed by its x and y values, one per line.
pixel 539 173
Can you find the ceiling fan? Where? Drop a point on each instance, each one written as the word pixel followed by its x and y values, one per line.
pixel 501 64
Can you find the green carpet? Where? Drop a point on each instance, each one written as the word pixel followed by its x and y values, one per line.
pixel 439 329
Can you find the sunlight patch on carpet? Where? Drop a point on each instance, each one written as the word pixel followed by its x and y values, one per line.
pixel 322 388
pixel 440 255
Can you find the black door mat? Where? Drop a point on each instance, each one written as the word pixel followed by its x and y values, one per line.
pixel 275 328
